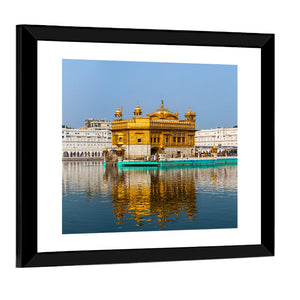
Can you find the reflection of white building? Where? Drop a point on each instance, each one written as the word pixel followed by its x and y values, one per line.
pixel 222 138
pixel 85 176
pixel 85 142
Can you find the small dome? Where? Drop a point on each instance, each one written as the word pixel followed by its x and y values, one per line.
pixel 119 151
pixel 214 149
pixel 137 111
pixel 118 113
pixel 190 114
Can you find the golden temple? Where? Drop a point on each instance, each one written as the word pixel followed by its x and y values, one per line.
pixel 158 133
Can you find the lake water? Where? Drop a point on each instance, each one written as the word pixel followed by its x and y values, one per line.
pixel 98 199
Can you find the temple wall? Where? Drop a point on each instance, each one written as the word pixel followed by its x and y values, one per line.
pixel 140 151
pixel 136 151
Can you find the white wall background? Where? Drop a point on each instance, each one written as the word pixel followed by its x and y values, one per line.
pixel 253 278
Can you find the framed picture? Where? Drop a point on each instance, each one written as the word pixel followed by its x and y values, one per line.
pixel 138 145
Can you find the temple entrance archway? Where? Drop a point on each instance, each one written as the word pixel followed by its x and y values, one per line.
pixel 154 150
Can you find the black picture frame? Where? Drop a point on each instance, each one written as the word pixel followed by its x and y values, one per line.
pixel 27 115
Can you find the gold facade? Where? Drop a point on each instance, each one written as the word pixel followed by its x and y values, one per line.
pixel 160 132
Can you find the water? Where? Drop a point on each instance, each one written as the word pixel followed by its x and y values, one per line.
pixel 97 199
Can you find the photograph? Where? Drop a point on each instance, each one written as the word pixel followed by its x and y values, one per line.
pixel 145 143
pixel 149 143
pixel 148 146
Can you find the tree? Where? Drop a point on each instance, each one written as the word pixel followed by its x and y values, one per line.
pixel 67 127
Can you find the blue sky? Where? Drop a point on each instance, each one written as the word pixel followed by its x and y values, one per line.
pixel 94 89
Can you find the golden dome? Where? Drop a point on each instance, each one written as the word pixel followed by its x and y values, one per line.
pixel 119 151
pixel 163 113
pixel 137 111
pixel 118 113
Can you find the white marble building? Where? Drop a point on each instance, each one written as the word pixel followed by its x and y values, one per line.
pixel 222 138
pixel 85 143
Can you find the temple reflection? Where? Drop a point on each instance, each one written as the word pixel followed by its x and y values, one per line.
pixel 146 194
pixel 150 198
